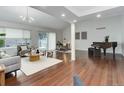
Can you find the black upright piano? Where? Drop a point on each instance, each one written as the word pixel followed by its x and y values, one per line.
pixel 105 45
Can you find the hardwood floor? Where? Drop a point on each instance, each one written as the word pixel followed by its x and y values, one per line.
pixel 92 71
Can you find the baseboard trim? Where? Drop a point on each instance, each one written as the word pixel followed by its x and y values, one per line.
pixel 101 51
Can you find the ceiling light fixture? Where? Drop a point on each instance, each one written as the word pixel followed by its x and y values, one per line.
pixel 74 21
pixel 63 15
pixel 27 18
pixel 98 15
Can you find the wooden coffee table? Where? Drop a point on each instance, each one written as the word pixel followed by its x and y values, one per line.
pixel 34 57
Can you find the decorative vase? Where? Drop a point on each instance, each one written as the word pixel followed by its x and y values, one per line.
pixel 37 52
pixel 106 40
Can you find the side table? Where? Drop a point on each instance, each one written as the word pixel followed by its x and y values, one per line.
pixel 2 75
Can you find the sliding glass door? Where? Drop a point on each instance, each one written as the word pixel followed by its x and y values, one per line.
pixel 43 41
pixel 52 41
pixel 47 41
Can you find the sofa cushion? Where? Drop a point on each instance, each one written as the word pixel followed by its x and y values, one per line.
pixel 10 60
pixel 2 53
pixel 23 48
pixel 5 56
pixel 12 68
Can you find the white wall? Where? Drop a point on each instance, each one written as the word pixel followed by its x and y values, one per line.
pixel 59 36
pixel 122 35
pixel 113 29
pixel 67 35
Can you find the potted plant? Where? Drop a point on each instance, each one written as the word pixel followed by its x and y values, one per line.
pixel 2 39
pixel 106 38
pixel 2 43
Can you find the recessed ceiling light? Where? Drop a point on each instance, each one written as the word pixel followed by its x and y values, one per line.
pixel 63 15
pixel 98 15
pixel 74 21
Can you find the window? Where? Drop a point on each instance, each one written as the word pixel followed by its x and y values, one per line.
pixel 47 41
pixel 43 40
pixel 52 41
pixel 14 37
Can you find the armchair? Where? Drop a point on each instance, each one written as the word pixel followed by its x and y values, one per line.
pixel 22 50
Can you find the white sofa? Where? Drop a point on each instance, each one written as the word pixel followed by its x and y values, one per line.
pixel 10 50
pixel 12 64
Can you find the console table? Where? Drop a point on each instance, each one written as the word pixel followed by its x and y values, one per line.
pixel 2 75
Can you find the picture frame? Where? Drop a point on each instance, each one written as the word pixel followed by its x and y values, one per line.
pixel 77 35
pixel 84 35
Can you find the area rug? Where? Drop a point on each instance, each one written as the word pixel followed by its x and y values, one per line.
pixel 30 68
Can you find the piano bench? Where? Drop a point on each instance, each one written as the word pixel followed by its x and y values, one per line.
pixel 94 52
pixel 97 52
pixel 90 51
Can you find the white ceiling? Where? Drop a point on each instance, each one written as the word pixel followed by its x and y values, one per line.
pixel 81 12
pixel 104 14
pixel 86 10
pixel 50 16
pixel 56 11
pixel 13 13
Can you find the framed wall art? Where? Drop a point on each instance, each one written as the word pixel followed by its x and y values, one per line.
pixel 83 35
pixel 77 35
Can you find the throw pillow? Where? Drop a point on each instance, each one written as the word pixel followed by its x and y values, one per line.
pixel 24 47
pixel 2 53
